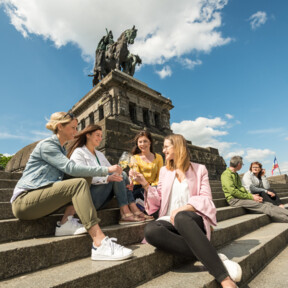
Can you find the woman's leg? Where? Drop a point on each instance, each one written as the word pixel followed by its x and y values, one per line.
pixel 274 200
pixel 199 244
pixel 101 194
pixel 138 192
pixel 41 202
pixel 188 239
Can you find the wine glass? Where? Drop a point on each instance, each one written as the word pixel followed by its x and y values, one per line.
pixel 133 165
pixel 124 159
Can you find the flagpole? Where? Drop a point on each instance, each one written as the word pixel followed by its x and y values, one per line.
pixel 278 166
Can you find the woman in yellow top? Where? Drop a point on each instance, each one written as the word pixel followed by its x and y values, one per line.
pixel 148 162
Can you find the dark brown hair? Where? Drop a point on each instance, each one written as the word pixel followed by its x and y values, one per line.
pixel 260 165
pixel 80 138
pixel 135 150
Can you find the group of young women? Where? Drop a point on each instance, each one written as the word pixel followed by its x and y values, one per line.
pixel 179 192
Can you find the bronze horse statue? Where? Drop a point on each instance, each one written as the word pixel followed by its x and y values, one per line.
pixel 115 55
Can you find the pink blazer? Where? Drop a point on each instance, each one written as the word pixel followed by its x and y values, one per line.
pixel 200 194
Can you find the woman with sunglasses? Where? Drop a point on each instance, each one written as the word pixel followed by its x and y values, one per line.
pixel 255 182
pixel 41 190
pixel 84 151
pixel 183 196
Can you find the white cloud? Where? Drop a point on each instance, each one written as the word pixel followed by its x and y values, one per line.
pixel 29 136
pixel 260 155
pixel 235 153
pixel 166 29
pixel 257 19
pixel 41 134
pixel 207 132
pixel 204 132
pixel 5 135
pixel 229 116
pixel 7 155
pixel 266 131
pixel 188 63
pixel 166 71
pixel 283 168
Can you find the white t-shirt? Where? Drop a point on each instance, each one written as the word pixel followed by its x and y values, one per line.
pixel 179 197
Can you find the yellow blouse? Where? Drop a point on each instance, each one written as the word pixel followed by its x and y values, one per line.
pixel 149 170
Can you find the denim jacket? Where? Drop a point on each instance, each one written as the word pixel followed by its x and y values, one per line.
pixel 48 163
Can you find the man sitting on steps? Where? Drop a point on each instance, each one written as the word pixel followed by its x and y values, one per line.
pixel 237 196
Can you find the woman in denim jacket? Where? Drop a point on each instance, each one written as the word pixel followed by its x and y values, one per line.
pixel 41 189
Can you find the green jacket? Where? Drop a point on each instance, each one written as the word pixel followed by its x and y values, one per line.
pixel 232 186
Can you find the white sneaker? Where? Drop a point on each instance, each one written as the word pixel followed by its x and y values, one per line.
pixel 109 251
pixel 233 268
pixel 71 227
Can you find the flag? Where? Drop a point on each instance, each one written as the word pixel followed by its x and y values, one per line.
pixel 275 165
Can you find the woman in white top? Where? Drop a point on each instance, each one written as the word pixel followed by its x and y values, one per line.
pixel 186 211
pixel 103 189
pixel 256 182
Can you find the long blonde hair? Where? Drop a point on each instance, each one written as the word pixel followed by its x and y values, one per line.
pixel 59 118
pixel 181 153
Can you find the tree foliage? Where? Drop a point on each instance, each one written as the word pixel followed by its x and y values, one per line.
pixel 4 160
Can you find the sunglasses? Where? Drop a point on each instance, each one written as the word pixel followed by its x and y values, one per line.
pixel 72 116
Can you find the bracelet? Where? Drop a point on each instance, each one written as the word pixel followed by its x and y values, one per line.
pixel 146 185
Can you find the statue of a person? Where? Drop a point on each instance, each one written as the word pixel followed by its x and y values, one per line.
pixel 131 62
pixel 103 45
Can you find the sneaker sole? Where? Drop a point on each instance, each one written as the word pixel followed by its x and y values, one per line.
pixel 130 223
pixel 107 258
pixel 68 234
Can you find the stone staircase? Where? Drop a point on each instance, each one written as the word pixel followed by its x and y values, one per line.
pixel 30 256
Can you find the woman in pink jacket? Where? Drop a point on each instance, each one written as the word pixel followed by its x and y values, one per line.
pixel 186 210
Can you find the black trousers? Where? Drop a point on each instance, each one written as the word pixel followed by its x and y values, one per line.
pixel 267 198
pixel 187 238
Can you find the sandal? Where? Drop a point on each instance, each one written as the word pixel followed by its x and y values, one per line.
pixel 129 218
pixel 147 218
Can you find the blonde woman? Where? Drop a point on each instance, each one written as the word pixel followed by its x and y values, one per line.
pixel 41 189
pixel 183 196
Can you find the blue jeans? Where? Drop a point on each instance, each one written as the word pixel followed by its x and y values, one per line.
pixel 102 194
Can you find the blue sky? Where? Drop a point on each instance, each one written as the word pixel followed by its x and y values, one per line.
pixel 223 63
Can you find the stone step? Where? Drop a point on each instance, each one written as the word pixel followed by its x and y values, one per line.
pixel 6 194
pixel 230 229
pixel 31 255
pixel 8 175
pixel 220 202
pixel 251 251
pixel 278 266
pixel 109 274
pixel 6 210
pixel 8 183
pixel 284 200
pixel 226 231
pixel 279 186
pixel 14 229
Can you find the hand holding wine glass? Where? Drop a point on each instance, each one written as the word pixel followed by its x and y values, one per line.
pixel 124 160
pixel 133 167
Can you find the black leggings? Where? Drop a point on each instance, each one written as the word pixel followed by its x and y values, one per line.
pixel 187 238
pixel 267 198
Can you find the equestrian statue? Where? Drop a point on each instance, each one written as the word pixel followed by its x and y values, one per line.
pixel 111 55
